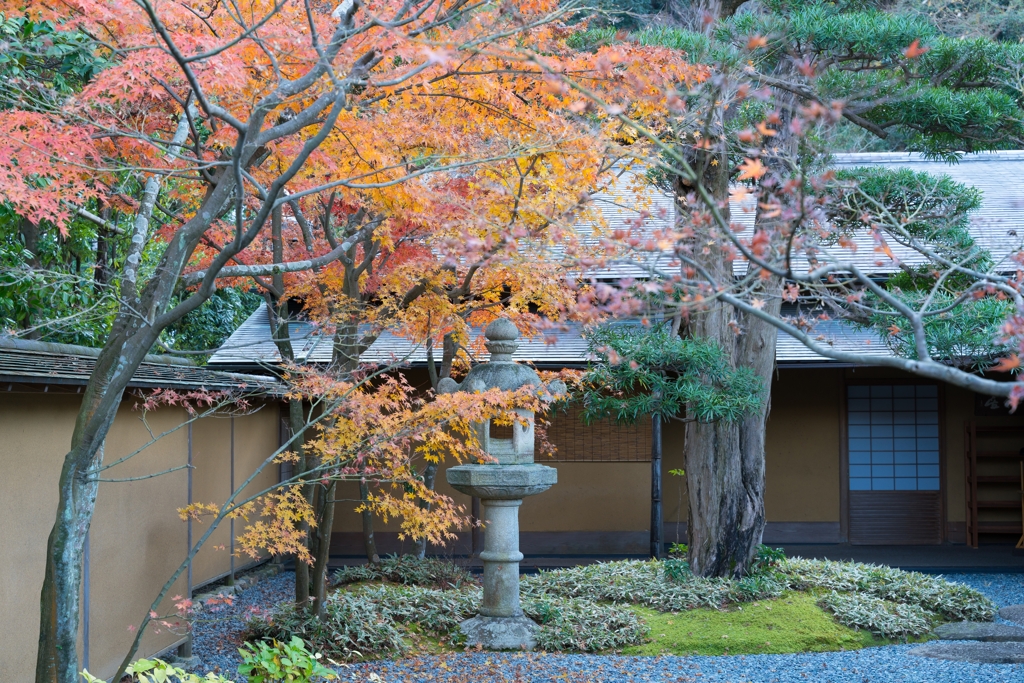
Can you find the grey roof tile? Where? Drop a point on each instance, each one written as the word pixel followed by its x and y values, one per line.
pixel 39 363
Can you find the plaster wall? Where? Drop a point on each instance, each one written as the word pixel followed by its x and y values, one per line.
pixel 802 447
pixel 136 540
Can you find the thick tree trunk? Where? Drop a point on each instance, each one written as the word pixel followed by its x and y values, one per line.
pixel 724 460
pixel 57 656
pixel 657 543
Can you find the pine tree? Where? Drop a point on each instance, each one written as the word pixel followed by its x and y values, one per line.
pixel 893 77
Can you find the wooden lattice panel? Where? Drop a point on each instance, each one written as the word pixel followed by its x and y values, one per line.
pixel 602 441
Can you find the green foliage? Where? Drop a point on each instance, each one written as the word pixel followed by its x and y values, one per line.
pixel 354 625
pixel 676 568
pixel 580 625
pixel 159 671
pixel 953 601
pixel 50 290
pixel 623 604
pixel 647 371
pixel 1001 20
pixel 678 549
pixel 209 325
pixel 41 64
pixel 408 570
pixel 630 582
pixel 790 623
pixel 264 662
pixel 960 94
pixel 934 211
pixel 377 620
pixel 767 559
pixel 881 617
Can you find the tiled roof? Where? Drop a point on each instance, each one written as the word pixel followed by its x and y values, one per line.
pixel 250 346
pixel 998 226
pixel 24 362
pixel 559 347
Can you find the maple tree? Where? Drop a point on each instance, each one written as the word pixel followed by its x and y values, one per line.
pixel 416 166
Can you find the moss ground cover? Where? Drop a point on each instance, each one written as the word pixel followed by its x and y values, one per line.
pixel 791 623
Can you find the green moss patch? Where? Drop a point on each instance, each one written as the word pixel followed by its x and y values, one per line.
pixel 791 623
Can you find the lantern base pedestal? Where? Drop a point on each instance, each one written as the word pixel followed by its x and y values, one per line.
pixel 500 633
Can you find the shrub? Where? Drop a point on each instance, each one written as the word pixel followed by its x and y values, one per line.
pixel 767 559
pixel 677 570
pixel 438 612
pixel 953 601
pixel 629 582
pixel 881 617
pixel 759 587
pixel 353 626
pixel 584 626
pixel 159 671
pixel 409 571
pixel 268 662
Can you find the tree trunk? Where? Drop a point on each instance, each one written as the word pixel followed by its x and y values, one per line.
pixel 323 549
pixel 725 463
pixel 57 656
pixel 369 543
pixel 724 460
pixel 657 544
pixel 429 475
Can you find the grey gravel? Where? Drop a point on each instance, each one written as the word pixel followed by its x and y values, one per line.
pixel 889 664
pixel 1002 589
pixel 984 631
pixel 216 635
pixel 978 653
pixel 1013 613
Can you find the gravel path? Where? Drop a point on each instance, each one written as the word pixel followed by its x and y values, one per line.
pixel 872 665
pixel 215 639
pixel 216 643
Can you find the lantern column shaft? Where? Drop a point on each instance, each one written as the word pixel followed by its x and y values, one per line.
pixel 501 558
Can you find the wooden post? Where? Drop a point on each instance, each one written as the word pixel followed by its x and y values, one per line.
pixel 656 517
pixel 1020 542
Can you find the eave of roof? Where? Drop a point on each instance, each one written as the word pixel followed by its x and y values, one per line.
pixel 41 363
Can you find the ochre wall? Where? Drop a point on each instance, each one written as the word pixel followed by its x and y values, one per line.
pixel 802 447
pixel 136 539
pixel 34 434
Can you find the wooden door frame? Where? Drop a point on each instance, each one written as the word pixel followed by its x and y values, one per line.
pixel 844 451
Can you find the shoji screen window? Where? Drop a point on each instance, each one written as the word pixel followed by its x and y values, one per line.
pixel 893 437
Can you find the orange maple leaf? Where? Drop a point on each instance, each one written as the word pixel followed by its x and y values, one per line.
pixel 756 41
pixel 915 50
pixel 1011 362
pixel 751 169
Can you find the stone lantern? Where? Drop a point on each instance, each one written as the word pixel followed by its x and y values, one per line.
pixel 501 487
